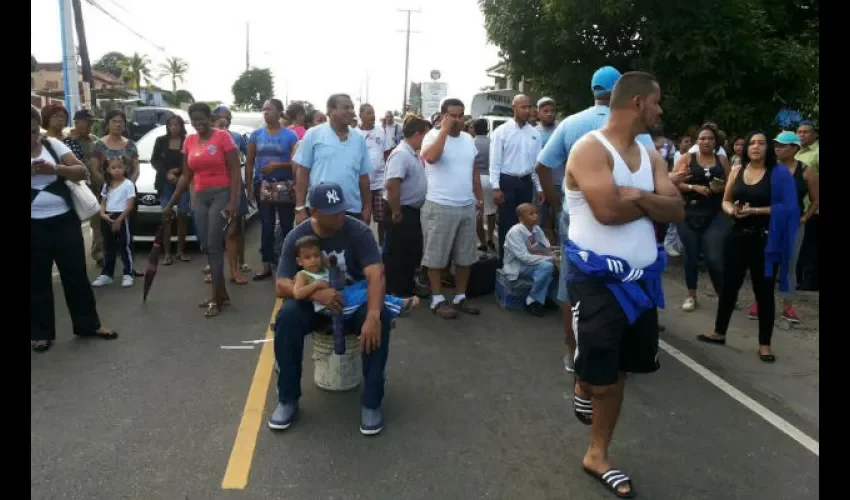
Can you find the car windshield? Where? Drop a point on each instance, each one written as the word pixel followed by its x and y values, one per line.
pixel 146 143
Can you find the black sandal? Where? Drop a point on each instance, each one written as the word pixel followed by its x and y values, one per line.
pixel 613 478
pixel 583 409
pixel 110 335
pixel 41 345
pixel 767 358
pixel 711 340
pixel 262 275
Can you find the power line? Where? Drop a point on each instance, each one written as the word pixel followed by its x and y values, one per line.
pixel 97 6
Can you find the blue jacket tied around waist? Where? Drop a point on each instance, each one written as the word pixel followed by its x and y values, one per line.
pixel 621 279
pixel 784 222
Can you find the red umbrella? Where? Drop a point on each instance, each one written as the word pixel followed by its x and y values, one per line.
pixel 153 262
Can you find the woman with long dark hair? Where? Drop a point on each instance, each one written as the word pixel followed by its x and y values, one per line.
pixel 167 160
pixel 761 200
pixel 705 174
pixel 269 164
pixel 211 160
pixel 56 236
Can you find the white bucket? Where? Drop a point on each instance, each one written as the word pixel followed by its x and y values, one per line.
pixel 334 372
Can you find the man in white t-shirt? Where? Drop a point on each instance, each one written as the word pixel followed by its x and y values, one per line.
pixel 379 147
pixel 449 213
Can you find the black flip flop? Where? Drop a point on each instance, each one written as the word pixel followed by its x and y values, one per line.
pixel 42 347
pixel 583 409
pixel 612 478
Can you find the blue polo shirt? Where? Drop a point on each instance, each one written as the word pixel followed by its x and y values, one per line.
pixel 331 160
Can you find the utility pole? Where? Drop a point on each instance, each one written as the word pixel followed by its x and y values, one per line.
pixel 407 55
pixel 247 45
pixel 84 51
pixel 70 74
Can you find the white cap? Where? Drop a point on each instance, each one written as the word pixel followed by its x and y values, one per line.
pixel 544 101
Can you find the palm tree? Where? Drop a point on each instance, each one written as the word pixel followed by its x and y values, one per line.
pixel 135 68
pixel 174 68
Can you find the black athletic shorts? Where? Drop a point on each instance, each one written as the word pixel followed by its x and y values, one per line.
pixel 606 344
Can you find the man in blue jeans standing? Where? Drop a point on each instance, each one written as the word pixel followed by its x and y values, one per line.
pixel 358 256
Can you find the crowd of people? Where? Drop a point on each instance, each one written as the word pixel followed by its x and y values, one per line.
pixel 593 203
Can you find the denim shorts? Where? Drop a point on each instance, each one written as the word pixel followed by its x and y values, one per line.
pixel 563 230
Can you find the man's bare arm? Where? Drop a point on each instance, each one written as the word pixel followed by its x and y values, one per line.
pixel 589 166
pixel 665 204
pixel 553 198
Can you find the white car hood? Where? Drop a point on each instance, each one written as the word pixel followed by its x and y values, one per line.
pixel 147 177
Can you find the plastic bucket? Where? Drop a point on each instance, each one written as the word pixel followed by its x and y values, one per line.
pixel 334 372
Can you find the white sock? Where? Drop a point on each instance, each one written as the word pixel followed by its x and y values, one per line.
pixel 460 297
pixel 436 300
pixel 529 301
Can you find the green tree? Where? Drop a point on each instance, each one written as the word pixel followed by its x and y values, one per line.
pixel 182 96
pixel 33 64
pixel 734 61
pixel 175 69
pixel 253 88
pixel 135 68
pixel 111 63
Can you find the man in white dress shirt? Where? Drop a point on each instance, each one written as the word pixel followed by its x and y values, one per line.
pixel 513 154
pixel 379 147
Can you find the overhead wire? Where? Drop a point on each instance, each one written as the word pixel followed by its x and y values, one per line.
pixel 97 6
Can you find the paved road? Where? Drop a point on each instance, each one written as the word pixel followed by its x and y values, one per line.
pixel 476 408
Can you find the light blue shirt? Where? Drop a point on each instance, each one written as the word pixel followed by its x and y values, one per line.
pixel 557 149
pixel 272 148
pixel 545 134
pixel 331 160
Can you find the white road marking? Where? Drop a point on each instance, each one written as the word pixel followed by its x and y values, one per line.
pixel 259 341
pixel 772 418
pixel 237 347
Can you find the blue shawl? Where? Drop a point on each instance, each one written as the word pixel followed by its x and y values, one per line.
pixel 784 222
pixel 621 279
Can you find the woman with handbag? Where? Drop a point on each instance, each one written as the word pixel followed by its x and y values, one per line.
pixel 704 173
pixel 56 236
pixel 269 164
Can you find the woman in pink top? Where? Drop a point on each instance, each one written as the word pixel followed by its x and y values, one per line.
pixel 298 116
pixel 211 160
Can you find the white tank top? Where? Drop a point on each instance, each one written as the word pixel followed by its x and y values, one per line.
pixel 633 242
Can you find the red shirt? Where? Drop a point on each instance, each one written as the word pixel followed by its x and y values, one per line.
pixel 208 161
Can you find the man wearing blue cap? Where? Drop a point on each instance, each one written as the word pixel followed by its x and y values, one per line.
pixel 354 246
pixel 554 157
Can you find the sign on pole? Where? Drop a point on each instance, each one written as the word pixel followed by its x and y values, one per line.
pixel 432 95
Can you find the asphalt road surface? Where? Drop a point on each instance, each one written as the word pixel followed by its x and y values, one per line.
pixel 474 408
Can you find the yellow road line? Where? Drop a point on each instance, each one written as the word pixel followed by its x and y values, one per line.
pixel 239 465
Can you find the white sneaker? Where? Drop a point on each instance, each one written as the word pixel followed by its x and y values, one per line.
pixel 101 280
pixel 689 305
pixel 569 364
pixel 127 281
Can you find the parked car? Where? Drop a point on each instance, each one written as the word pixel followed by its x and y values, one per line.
pixel 150 210
pixel 145 118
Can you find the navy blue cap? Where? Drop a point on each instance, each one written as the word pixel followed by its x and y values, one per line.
pixel 83 115
pixel 221 110
pixel 327 198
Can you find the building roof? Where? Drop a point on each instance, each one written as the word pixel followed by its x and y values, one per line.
pixel 100 76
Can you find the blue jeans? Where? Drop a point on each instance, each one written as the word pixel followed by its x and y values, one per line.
pixel 295 320
pixel 269 214
pixel 541 275
pixel 563 232
pixel 708 240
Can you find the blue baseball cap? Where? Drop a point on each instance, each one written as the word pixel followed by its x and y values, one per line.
pixel 788 138
pixel 327 198
pixel 221 110
pixel 603 80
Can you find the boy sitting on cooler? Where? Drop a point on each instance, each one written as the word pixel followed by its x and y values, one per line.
pixel 528 254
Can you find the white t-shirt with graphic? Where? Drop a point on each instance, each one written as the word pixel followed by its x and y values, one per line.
pixel 377 143
pixel 117 197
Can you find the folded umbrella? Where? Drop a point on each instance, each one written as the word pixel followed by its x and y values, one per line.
pixel 335 280
pixel 153 263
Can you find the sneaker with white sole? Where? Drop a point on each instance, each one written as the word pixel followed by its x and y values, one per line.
pixel 102 280
pixel 371 421
pixel 127 281
pixel 569 363
pixel 689 305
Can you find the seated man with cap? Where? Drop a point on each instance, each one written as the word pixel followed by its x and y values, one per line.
pixel 356 251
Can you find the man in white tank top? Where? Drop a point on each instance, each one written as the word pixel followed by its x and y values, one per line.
pixel 616 188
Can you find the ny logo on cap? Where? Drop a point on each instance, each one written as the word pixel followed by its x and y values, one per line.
pixel 333 197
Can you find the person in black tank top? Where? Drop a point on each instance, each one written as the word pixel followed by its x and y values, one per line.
pixel 806 184
pixel 705 175
pixel 168 164
pixel 747 201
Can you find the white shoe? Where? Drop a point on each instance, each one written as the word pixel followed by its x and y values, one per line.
pixel 101 280
pixel 127 281
pixel 569 364
pixel 689 305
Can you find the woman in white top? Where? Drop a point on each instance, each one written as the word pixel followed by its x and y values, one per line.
pixel 56 237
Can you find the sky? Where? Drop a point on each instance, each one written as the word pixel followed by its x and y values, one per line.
pixel 314 48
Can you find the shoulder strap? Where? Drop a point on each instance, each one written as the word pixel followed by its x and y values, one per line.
pixel 45 143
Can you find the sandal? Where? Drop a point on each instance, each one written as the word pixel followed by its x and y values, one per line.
pixel 767 358
pixel 206 303
pixel 41 345
pixel 245 268
pixel 711 340
pixel 182 257
pixel 583 409
pixel 212 310
pixel 612 478
pixel 206 269
pixel 262 275
pixel 167 261
pixel 107 335
pixel 208 279
pixel 239 281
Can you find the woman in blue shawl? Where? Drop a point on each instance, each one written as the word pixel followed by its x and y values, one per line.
pixel 761 201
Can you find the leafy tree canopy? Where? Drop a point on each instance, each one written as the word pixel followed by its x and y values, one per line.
pixel 253 88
